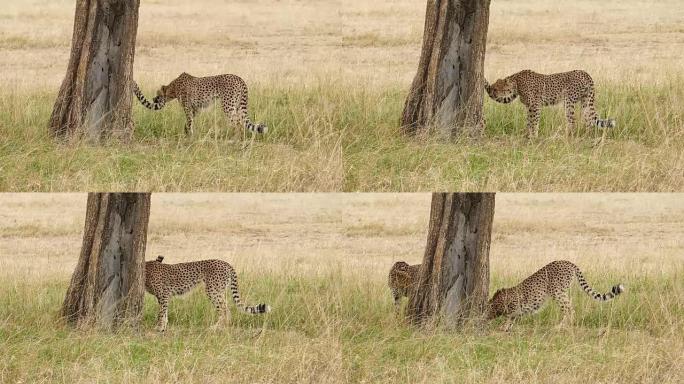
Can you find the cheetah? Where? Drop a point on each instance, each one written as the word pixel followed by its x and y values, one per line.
pixel 197 93
pixel 537 90
pixel 552 280
pixel 402 279
pixel 166 280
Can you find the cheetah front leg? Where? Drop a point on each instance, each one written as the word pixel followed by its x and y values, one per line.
pixel 397 301
pixel 533 115
pixel 508 324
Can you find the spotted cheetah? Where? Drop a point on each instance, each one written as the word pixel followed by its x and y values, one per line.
pixel 167 280
pixel 553 280
pixel 402 279
pixel 197 93
pixel 537 90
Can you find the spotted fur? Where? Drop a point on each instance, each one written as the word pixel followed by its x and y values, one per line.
pixel 402 279
pixel 537 90
pixel 197 93
pixel 551 281
pixel 167 280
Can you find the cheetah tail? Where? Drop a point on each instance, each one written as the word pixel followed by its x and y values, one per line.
pixel 591 111
pixel 259 308
pixel 605 123
pixel 255 127
pixel 157 103
pixel 616 290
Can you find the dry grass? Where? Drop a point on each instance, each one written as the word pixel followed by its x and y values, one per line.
pixel 321 262
pixel 330 79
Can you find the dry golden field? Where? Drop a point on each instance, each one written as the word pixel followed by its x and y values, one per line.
pixel 321 262
pixel 330 78
pixel 356 42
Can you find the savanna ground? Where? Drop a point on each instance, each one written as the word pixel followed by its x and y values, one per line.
pixel 330 79
pixel 321 261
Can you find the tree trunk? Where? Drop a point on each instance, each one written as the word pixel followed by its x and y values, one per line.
pixel 447 91
pixel 454 277
pixel 95 96
pixel 108 284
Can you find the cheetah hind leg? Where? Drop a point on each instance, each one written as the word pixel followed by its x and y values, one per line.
pixel 237 132
pixel 230 109
pixel 219 301
pixel 570 117
pixel 190 120
pixel 533 115
pixel 563 300
pixel 163 317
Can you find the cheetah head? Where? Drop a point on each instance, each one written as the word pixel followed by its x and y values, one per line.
pixel 401 265
pixel 503 90
pixel 165 93
pixel 499 304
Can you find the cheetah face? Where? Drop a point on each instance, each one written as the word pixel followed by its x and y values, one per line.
pixel 499 304
pixel 503 91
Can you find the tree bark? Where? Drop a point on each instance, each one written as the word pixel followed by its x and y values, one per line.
pixel 108 284
pixel 447 91
pixel 454 277
pixel 95 97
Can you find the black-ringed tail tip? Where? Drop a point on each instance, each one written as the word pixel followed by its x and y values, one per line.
pixel 607 123
pixel 259 308
pixel 256 127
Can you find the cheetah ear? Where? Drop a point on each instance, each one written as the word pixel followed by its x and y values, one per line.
pixel 160 258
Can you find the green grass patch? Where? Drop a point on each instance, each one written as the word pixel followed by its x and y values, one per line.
pixel 332 137
pixel 339 328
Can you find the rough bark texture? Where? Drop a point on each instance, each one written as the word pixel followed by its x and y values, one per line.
pixel 447 91
pixel 95 97
pixel 454 277
pixel 108 284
